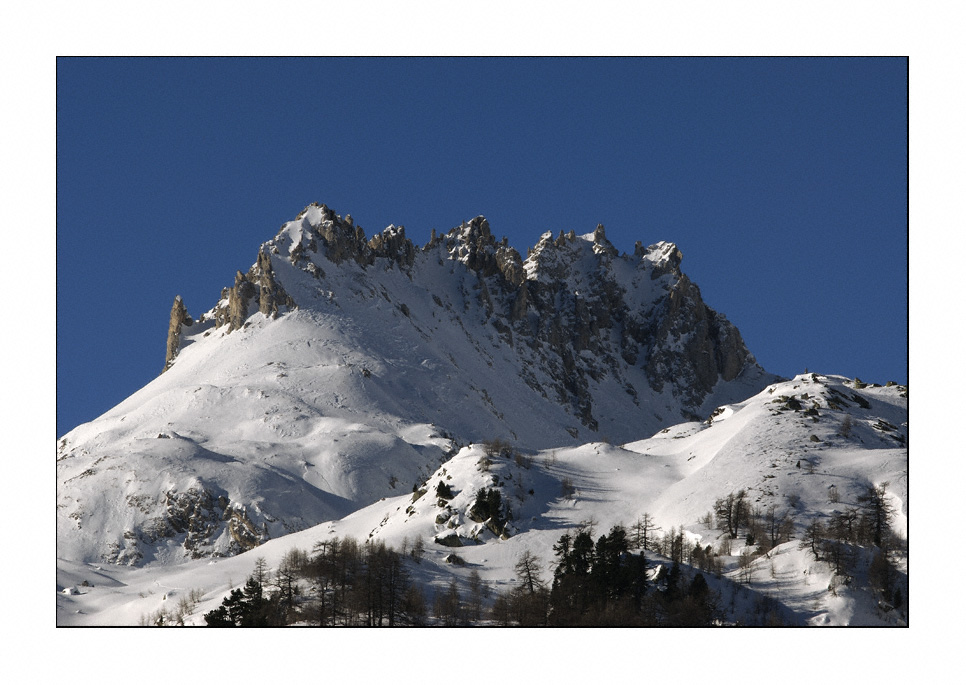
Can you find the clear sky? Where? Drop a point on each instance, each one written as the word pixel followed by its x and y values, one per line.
pixel 783 182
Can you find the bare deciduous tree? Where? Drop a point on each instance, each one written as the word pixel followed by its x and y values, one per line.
pixel 643 531
pixel 527 569
pixel 731 512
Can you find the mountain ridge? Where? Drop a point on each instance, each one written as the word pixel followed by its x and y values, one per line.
pixel 557 286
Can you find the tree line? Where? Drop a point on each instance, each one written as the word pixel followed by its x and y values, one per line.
pixel 344 583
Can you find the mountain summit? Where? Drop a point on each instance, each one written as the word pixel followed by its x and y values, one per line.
pixel 340 369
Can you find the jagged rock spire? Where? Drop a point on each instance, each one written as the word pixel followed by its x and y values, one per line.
pixel 179 318
pixel 601 244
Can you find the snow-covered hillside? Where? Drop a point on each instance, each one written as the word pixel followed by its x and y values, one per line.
pixel 810 447
pixel 340 370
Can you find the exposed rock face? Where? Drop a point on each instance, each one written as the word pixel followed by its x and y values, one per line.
pixel 179 318
pixel 694 344
pixel 520 303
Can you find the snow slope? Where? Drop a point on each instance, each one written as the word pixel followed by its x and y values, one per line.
pixel 764 445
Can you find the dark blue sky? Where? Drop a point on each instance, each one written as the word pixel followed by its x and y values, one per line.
pixel 783 181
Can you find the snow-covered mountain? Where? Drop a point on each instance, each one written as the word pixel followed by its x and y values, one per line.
pixel 339 370
pixel 340 377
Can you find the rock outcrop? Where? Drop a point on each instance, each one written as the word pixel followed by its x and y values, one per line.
pixel 179 318
pixel 194 520
pixel 271 295
pixel 475 246
pixel 257 286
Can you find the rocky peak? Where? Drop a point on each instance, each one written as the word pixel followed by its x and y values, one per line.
pixel 601 244
pixel 341 239
pixel 581 318
pixel 558 259
pixel 474 245
pixel 393 244
pixel 664 257
pixel 320 231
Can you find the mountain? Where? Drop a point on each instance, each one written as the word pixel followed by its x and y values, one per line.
pixel 340 379
pixel 338 370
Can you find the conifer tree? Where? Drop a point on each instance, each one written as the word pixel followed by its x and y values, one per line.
pixel 879 513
